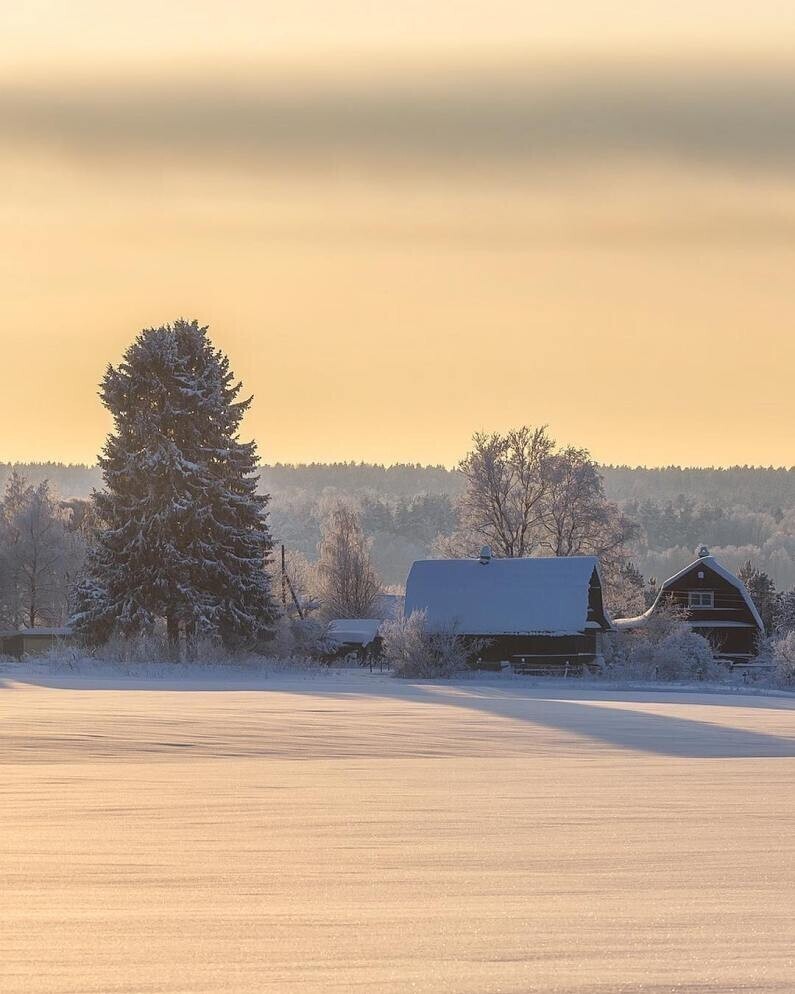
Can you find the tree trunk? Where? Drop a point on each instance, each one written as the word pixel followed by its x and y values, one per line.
pixel 172 631
pixel 190 641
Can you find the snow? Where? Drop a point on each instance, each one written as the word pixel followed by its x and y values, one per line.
pixel 322 833
pixel 360 631
pixel 504 596
pixel 637 622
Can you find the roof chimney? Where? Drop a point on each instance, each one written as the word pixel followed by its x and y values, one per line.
pixel 703 552
pixel 485 555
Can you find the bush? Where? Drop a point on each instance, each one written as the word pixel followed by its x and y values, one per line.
pixel 155 648
pixel 414 652
pixel 685 655
pixel 784 660
pixel 296 638
pixel 665 650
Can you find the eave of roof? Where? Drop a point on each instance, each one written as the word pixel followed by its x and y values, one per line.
pixel 721 624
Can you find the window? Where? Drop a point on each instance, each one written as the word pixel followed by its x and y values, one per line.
pixel 701 598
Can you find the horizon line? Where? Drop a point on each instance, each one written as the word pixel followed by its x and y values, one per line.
pixel 437 466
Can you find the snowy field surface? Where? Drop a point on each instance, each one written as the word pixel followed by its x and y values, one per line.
pixel 348 832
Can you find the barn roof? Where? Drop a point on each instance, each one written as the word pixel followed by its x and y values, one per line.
pixel 710 562
pixel 503 596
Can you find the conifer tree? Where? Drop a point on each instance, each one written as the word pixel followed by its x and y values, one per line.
pixel 763 592
pixel 785 613
pixel 183 535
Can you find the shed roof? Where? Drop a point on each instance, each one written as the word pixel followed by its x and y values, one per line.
pixel 354 631
pixel 62 632
pixel 503 596
pixel 49 632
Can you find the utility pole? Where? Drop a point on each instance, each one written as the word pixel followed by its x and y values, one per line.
pixel 284 582
pixel 287 585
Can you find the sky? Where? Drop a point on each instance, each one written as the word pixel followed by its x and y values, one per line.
pixel 408 222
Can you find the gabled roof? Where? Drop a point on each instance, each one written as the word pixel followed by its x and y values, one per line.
pixel 503 596
pixel 710 562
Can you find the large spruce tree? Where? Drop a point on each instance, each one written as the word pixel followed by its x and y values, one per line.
pixel 183 536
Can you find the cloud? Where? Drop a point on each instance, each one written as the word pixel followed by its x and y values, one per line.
pixel 736 117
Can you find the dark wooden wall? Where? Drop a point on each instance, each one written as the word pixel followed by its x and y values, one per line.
pixel 730 604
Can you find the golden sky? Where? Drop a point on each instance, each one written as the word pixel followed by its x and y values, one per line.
pixel 407 222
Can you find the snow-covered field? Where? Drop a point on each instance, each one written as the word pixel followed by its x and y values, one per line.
pixel 350 832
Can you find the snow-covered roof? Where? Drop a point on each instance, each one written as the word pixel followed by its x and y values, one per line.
pixel 356 631
pixel 637 622
pixel 710 562
pixel 503 596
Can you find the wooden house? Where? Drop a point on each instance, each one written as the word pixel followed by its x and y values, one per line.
pixel 717 604
pixel 532 612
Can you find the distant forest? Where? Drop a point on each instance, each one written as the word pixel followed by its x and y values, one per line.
pixel 741 513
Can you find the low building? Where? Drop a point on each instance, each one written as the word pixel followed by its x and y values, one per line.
pixel 388 607
pixel 718 606
pixel 532 612
pixel 352 636
pixel 32 641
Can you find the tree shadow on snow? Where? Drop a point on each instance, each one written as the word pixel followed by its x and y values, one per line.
pixel 593 718
pixel 627 727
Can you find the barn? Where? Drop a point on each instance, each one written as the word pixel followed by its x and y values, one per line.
pixel 718 607
pixel 540 612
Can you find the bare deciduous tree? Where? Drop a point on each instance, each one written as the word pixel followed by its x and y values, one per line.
pixel 525 497
pixel 504 501
pixel 577 518
pixel 39 555
pixel 348 584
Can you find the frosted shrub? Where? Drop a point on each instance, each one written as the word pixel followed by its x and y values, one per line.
pixel 155 648
pixel 414 652
pixel 149 648
pixel 666 649
pixel 405 644
pixel 684 655
pixel 784 660
pixel 283 640
pixel 296 638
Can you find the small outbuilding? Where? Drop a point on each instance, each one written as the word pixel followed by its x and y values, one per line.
pixel 32 641
pixel 718 606
pixel 541 612
pixel 352 636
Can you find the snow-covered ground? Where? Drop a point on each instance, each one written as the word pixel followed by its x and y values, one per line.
pixel 342 831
